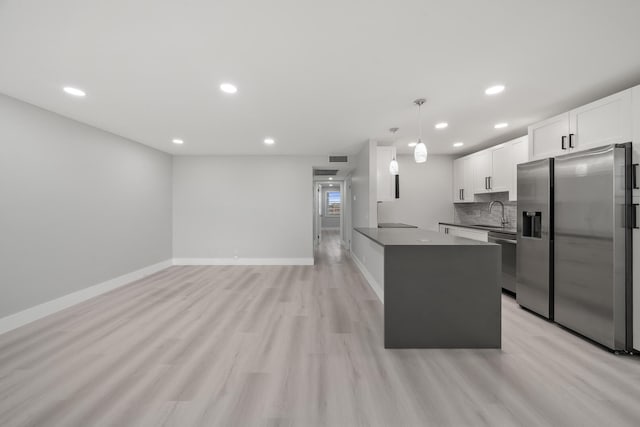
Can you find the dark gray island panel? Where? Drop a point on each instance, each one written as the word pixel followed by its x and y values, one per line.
pixel 442 296
pixel 440 291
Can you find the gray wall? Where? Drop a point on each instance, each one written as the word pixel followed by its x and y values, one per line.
pixel 426 196
pixel 363 188
pixel 478 213
pixel 244 206
pixel 78 206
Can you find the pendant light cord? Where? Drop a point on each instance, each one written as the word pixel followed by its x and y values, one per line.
pixel 419 123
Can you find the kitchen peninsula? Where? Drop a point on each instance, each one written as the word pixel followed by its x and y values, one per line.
pixel 439 291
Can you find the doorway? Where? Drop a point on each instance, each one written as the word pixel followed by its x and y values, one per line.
pixel 328 210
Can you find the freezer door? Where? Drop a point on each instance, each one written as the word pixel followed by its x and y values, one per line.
pixel 590 244
pixel 534 270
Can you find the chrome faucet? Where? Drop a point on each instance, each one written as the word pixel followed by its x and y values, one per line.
pixel 503 220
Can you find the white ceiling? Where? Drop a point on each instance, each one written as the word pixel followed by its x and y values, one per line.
pixel 319 76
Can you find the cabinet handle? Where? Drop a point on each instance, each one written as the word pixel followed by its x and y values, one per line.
pixel 462 193
pixel 486 186
pixel 489 183
pixel 563 142
pixel 571 140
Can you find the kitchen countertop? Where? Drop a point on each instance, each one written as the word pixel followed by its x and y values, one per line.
pixel 415 237
pixel 506 230
pixel 395 225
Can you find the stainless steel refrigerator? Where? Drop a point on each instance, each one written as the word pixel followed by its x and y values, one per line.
pixel 534 257
pixel 592 259
pixel 582 279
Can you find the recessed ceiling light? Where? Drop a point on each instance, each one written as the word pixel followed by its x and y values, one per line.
pixel 412 144
pixel 330 178
pixel 177 141
pixel 269 141
pixel 501 125
pixel 494 90
pixel 74 91
pixel 458 144
pixel 228 88
pixel 442 125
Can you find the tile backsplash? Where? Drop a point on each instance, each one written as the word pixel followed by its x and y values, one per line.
pixel 478 212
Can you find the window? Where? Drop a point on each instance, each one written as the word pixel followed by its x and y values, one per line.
pixel 333 203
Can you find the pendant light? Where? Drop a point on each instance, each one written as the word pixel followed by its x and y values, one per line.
pixel 393 165
pixel 420 151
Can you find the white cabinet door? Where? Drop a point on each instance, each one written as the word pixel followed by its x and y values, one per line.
pixel 386 182
pixel 547 138
pixel 501 167
pixel 467 189
pixel 519 154
pixel 468 233
pixel 481 164
pixel 463 180
pixel 458 179
pixel 447 229
pixel 606 121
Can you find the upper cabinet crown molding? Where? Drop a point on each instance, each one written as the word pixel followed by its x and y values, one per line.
pixel 605 121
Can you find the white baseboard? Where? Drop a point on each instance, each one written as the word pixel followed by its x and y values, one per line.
pixel 243 261
pixel 377 287
pixel 29 315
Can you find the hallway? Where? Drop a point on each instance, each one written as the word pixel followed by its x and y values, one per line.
pixel 293 345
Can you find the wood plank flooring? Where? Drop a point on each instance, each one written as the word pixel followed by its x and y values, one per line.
pixel 293 346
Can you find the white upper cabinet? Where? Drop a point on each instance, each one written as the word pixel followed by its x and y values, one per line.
pixel 519 154
pixel 501 166
pixel 489 171
pixel 481 163
pixel 467 190
pixel 549 138
pixel 386 182
pixel 458 180
pixel 606 121
pixel 462 180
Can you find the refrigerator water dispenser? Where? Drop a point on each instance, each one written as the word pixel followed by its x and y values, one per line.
pixel 532 224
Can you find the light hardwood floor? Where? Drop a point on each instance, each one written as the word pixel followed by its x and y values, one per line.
pixel 297 346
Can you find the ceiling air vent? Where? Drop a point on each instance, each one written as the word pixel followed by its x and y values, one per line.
pixel 325 172
pixel 338 159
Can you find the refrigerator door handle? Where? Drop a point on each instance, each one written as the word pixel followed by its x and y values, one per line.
pixel 571 140
pixel 634 175
pixel 563 141
pixel 634 221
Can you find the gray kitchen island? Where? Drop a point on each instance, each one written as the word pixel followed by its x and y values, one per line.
pixel 439 291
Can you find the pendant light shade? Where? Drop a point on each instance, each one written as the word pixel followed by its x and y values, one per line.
pixel 393 167
pixel 420 150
